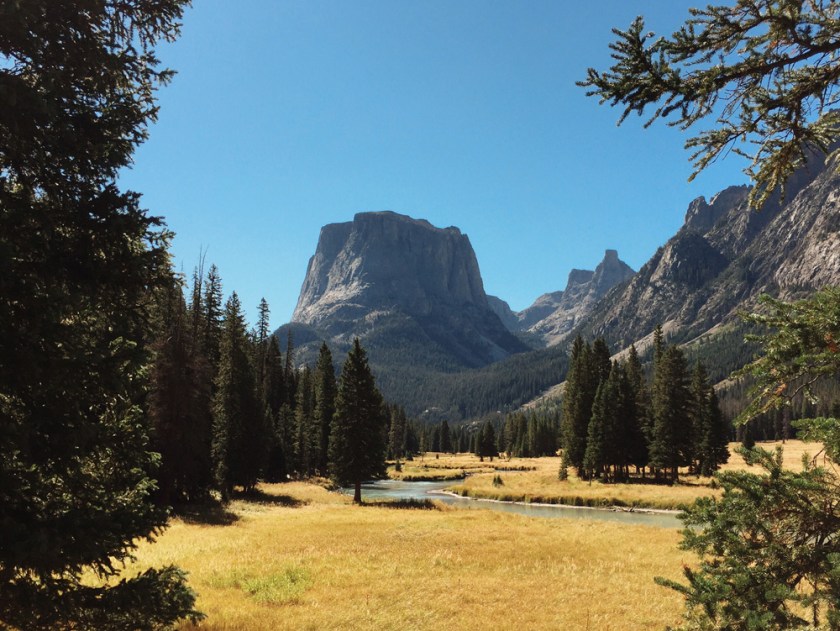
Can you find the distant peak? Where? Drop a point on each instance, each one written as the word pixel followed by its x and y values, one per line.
pixel 579 277
pixel 610 255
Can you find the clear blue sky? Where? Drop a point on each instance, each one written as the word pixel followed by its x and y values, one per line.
pixel 286 116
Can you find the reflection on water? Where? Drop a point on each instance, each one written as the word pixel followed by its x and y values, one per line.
pixel 397 489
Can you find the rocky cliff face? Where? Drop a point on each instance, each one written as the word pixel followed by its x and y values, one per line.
pixel 583 290
pixel 401 282
pixel 725 256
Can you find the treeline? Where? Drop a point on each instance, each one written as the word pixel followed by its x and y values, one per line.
pixel 229 408
pixel 614 419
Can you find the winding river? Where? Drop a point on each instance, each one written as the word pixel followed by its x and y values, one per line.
pixel 397 489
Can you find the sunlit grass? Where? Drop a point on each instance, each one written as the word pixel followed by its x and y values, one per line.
pixel 296 556
pixel 321 563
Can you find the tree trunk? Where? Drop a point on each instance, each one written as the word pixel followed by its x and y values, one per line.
pixel 357 494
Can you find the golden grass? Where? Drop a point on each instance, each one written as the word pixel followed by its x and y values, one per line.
pixel 300 557
pixel 311 560
pixel 540 483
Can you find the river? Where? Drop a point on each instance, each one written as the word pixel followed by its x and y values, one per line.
pixel 397 489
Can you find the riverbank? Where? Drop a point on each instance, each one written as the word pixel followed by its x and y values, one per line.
pixel 535 481
pixel 299 557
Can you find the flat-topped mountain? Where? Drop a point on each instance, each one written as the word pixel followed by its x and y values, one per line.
pixel 402 284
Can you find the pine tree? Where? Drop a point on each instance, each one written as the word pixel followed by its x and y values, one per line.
pixel 79 257
pixel 486 442
pixel 594 457
pixel 325 393
pixel 357 437
pixel 671 437
pixel 213 317
pixel 178 404
pixel 636 400
pixel 305 437
pixel 397 433
pixel 238 438
pixel 711 434
pixel 581 385
pixel 764 71
pixel 445 438
pixel 273 399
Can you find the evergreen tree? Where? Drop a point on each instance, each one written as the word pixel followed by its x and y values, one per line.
pixel 763 70
pixel 78 258
pixel 305 437
pixel 594 457
pixel 397 438
pixel 445 438
pixel 238 441
pixel 325 393
pixel 178 404
pixel 357 437
pixel 711 435
pixel 581 385
pixel 671 437
pixel 636 402
pixel 273 401
pixel 212 310
pixel 486 442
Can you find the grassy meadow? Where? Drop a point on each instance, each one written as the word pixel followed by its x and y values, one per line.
pixel 297 556
pixel 535 480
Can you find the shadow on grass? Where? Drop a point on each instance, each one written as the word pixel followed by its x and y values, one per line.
pixel 257 496
pixel 205 514
pixel 407 504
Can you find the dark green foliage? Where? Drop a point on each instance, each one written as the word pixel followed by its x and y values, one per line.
pixel 238 429
pixel 769 550
pixel 636 401
pixel 445 438
pixel 397 433
pixel 78 258
pixel 710 431
pixel 765 71
pixel 273 392
pixel 530 435
pixel 325 393
pixel 671 438
pixel 581 386
pixel 179 404
pixel 306 437
pixel 357 437
pixel 485 444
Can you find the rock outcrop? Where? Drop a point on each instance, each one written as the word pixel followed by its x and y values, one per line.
pixel 400 283
pixel 725 256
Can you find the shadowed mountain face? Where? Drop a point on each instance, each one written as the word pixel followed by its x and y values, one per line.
pixel 553 316
pixel 412 292
pixel 725 256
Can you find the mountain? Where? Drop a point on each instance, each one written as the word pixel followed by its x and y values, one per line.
pixel 553 316
pixel 723 258
pixel 410 291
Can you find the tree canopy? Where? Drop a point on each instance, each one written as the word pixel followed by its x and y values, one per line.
pixel 78 260
pixel 765 71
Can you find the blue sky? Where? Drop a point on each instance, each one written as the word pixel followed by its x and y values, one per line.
pixel 288 115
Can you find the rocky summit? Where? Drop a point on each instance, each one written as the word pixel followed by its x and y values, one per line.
pixel 407 289
pixel 553 316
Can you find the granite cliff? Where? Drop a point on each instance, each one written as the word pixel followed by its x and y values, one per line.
pixel 408 289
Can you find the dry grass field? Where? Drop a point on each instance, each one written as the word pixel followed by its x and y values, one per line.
pixel 300 557
pixel 304 558
pixel 535 480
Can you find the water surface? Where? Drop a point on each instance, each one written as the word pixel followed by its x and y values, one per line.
pixel 398 489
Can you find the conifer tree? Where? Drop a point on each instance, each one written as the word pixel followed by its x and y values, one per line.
pixel 486 442
pixel 305 437
pixel 445 438
pixel 397 433
pixel 711 435
pixel 636 400
pixel 594 457
pixel 273 399
pixel 357 437
pixel 325 393
pixel 577 404
pixel 671 436
pixel 178 404
pixel 238 441
pixel 213 317
pixel 79 257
